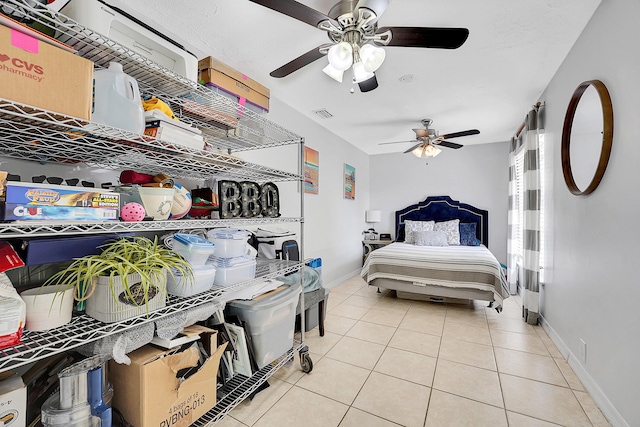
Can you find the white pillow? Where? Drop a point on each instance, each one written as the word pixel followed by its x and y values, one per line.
pixel 410 227
pixel 431 238
pixel 452 228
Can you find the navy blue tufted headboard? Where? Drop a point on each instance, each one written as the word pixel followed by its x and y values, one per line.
pixel 443 208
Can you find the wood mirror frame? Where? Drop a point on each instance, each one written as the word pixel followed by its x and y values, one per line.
pixel 607 137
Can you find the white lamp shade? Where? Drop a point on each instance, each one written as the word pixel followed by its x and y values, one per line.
pixel 333 73
pixel 359 72
pixel 372 57
pixel 340 56
pixel 372 216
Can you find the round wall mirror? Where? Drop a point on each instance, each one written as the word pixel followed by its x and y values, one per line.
pixel 587 136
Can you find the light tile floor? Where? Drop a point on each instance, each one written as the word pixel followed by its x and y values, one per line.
pixel 389 362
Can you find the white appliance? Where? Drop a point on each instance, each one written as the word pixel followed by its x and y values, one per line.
pixel 122 28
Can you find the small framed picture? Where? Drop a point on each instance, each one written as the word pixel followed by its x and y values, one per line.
pixel 241 362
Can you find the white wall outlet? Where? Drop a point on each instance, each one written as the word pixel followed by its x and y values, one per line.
pixel 583 351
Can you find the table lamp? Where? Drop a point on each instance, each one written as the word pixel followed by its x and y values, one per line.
pixel 371 217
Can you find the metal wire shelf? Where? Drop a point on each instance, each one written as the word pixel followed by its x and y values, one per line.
pixel 241 387
pixel 229 127
pixel 50 228
pixel 44 136
pixel 84 329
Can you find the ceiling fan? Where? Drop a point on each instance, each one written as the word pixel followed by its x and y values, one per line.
pixel 428 140
pixel 352 27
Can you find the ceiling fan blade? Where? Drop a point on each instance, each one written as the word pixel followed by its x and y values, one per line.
pixel 413 148
pixel 302 60
pixel 449 144
pixel 459 134
pixel 439 38
pixel 295 10
pixel 421 133
pixel 398 142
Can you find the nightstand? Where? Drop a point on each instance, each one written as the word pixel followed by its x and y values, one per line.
pixel 371 245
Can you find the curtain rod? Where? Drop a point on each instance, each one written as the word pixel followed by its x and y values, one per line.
pixel 521 128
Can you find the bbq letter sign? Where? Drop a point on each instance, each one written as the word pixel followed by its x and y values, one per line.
pixel 248 199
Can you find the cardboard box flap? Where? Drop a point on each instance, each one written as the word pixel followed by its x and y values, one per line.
pixel 146 355
pixel 185 359
pixel 209 368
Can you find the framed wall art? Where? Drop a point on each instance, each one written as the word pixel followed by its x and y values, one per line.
pixel 349 182
pixel 311 170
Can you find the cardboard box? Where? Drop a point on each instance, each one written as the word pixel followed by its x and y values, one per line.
pixel 13 400
pixel 220 75
pixel 148 393
pixel 26 201
pixel 36 73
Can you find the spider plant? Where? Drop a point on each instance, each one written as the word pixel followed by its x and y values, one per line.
pixel 120 260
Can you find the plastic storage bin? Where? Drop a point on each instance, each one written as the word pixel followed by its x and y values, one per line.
pixel 202 280
pixel 194 249
pixel 230 271
pixel 270 323
pixel 229 243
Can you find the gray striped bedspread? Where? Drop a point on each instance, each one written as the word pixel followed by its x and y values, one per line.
pixel 472 267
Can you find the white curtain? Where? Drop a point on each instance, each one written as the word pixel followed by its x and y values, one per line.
pixel 524 217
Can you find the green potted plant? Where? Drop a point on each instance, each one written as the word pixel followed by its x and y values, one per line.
pixel 128 278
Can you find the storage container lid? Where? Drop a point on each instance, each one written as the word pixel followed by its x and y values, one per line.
pixel 231 262
pixel 285 296
pixel 193 240
pixel 228 233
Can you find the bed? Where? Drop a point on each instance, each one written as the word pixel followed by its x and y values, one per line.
pixel 420 265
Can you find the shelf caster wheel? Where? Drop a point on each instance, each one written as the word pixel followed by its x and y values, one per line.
pixel 305 362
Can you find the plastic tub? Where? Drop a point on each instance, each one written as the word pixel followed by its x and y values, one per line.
pixel 230 271
pixel 47 307
pixel 201 281
pixel 229 243
pixel 193 248
pixel 270 321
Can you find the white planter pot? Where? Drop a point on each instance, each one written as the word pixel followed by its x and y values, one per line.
pixel 47 307
pixel 102 306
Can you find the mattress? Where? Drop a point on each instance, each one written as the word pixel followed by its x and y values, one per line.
pixel 468 272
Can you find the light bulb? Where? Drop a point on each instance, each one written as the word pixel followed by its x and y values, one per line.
pixel 372 57
pixel 333 73
pixel 340 56
pixel 359 73
pixel 418 151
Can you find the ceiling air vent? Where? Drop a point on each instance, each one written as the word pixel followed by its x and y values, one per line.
pixel 324 114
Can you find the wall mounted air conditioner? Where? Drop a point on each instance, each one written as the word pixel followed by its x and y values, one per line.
pixel 134 34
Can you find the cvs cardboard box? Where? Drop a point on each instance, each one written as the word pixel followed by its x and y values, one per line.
pixel 36 73
pixel 151 391
pixel 217 74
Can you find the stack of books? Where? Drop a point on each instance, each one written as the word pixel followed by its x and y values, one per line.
pixel 160 126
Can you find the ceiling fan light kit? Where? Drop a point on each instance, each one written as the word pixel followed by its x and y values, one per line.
pixel 426 150
pixel 352 27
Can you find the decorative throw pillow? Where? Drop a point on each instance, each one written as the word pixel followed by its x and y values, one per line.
pixel 468 234
pixel 410 227
pixel 452 230
pixel 430 238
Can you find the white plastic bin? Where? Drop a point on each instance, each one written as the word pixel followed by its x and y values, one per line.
pixel 270 322
pixel 229 243
pixel 193 248
pixel 230 271
pixel 202 280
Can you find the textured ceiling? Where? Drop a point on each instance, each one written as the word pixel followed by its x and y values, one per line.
pixel 513 50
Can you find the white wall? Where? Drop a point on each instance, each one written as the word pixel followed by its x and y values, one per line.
pixel 591 290
pixel 475 174
pixel 333 224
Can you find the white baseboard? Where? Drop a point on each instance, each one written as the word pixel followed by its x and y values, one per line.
pixel 607 408
pixel 340 280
